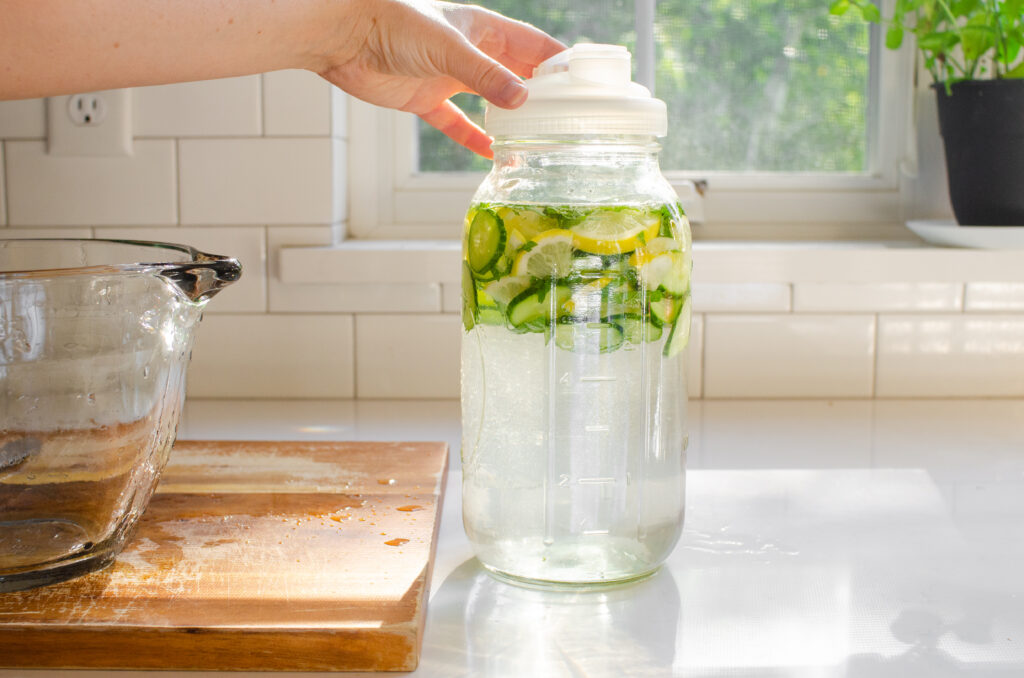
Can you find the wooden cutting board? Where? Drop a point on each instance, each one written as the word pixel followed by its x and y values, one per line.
pixel 285 556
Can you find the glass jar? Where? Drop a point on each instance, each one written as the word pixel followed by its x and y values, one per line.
pixel 576 308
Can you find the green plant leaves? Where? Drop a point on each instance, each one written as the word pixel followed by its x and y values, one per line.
pixel 894 36
pixel 956 37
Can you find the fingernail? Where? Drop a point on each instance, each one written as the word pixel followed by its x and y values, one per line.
pixel 513 94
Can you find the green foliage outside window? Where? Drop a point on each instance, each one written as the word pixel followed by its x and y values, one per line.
pixel 751 85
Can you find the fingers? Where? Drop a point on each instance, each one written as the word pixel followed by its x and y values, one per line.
pixel 453 123
pixel 516 44
pixel 482 74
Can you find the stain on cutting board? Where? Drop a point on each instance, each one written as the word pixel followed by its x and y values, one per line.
pixel 254 555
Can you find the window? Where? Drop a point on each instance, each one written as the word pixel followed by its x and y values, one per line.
pixel 791 114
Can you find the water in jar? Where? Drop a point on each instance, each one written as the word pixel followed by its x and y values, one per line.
pixel 574 389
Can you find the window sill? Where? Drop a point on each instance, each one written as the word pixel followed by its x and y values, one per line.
pixel 437 261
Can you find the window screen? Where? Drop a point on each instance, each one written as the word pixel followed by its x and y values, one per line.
pixel 751 85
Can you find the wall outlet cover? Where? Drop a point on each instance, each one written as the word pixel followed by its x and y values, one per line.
pixel 90 124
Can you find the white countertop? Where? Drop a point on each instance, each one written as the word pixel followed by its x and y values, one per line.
pixel 853 539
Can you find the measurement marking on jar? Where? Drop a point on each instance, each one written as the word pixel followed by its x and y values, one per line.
pixel 596 481
pixel 599 378
pixel 597 428
pixel 588 533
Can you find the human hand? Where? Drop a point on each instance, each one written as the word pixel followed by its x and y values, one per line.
pixel 414 54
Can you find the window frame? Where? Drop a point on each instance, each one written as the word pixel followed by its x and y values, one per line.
pixel 391 199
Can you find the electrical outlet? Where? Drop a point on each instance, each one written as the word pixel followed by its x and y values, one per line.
pixel 90 124
pixel 87 110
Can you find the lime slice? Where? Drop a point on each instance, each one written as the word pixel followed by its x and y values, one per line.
pixel 527 220
pixel 616 231
pixel 547 255
pixel 506 289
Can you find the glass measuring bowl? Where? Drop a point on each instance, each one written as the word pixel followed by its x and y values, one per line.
pixel 576 309
pixel 94 344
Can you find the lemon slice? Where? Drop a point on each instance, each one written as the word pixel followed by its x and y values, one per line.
pixel 653 248
pixel 528 221
pixel 618 232
pixel 549 257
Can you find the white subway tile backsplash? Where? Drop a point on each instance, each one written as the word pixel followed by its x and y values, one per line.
pixel 788 356
pixel 740 297
pixel 272 356
pixel 344 297
pixel 296 103
pixel 695 358
pixel 989 296
pixel 37 232
pixel 23 119
pixel 3 189
pixel 247 181
pixel 226 107
pixel 408 356
pixel 247 295
pixel 47 190
pixel 339 113
pixel 359 261
pixel 339 188
pixel 950 356
pixel 451 298
pixel 868 297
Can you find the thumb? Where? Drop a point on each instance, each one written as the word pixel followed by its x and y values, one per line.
pixel 482 74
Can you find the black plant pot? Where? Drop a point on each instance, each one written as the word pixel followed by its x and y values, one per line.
pixel 982 124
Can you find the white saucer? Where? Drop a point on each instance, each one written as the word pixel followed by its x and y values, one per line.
pixel 947 232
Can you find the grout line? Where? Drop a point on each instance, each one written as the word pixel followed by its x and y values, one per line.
pixel 874 362
pixel 355 357
pixel 3 185
pixel 703 355
pixel 268 268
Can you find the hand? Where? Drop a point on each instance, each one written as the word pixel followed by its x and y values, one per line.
pixel 415 54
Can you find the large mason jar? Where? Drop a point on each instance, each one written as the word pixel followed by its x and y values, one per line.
pixel 576 309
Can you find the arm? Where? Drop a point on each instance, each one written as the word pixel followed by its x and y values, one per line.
pixel 411 54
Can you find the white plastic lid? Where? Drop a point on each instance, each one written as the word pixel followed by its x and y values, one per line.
pixel 584 90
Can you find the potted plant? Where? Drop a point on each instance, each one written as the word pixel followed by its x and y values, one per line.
pixel 973 49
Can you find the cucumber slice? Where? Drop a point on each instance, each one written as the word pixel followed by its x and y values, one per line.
pixel 468 298
pixel 534 305
pixel 680 336
pixel 603 337
pixel 664 311
pixel 637 330
pixel 677 279
pixel 485 242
